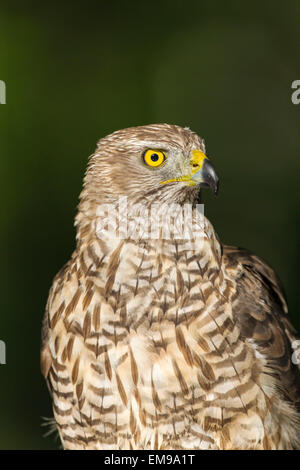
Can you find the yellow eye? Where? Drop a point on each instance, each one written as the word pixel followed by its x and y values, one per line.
pixel 154 158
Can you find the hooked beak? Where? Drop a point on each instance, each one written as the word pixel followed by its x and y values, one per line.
pixel 207 176
pixel 202 172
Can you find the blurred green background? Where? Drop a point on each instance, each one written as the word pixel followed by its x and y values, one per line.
pixel 77 71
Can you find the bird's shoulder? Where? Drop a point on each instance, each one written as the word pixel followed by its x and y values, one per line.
pixel 57 285
pixel 256 270
pixel 260 309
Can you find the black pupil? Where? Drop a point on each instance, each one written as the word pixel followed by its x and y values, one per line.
pixel 154 157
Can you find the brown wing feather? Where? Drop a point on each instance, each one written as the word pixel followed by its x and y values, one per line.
pixel 46 359
pixel 261 311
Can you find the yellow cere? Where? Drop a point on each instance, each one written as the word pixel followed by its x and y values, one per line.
pixel 197 160
pixel 154 158
pixel 196 163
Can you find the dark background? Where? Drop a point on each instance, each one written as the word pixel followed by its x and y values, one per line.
pixel 78 71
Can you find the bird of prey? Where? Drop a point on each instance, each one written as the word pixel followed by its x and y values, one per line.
pixel 157 341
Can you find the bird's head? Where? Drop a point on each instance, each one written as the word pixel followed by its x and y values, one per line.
pixel 148 164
